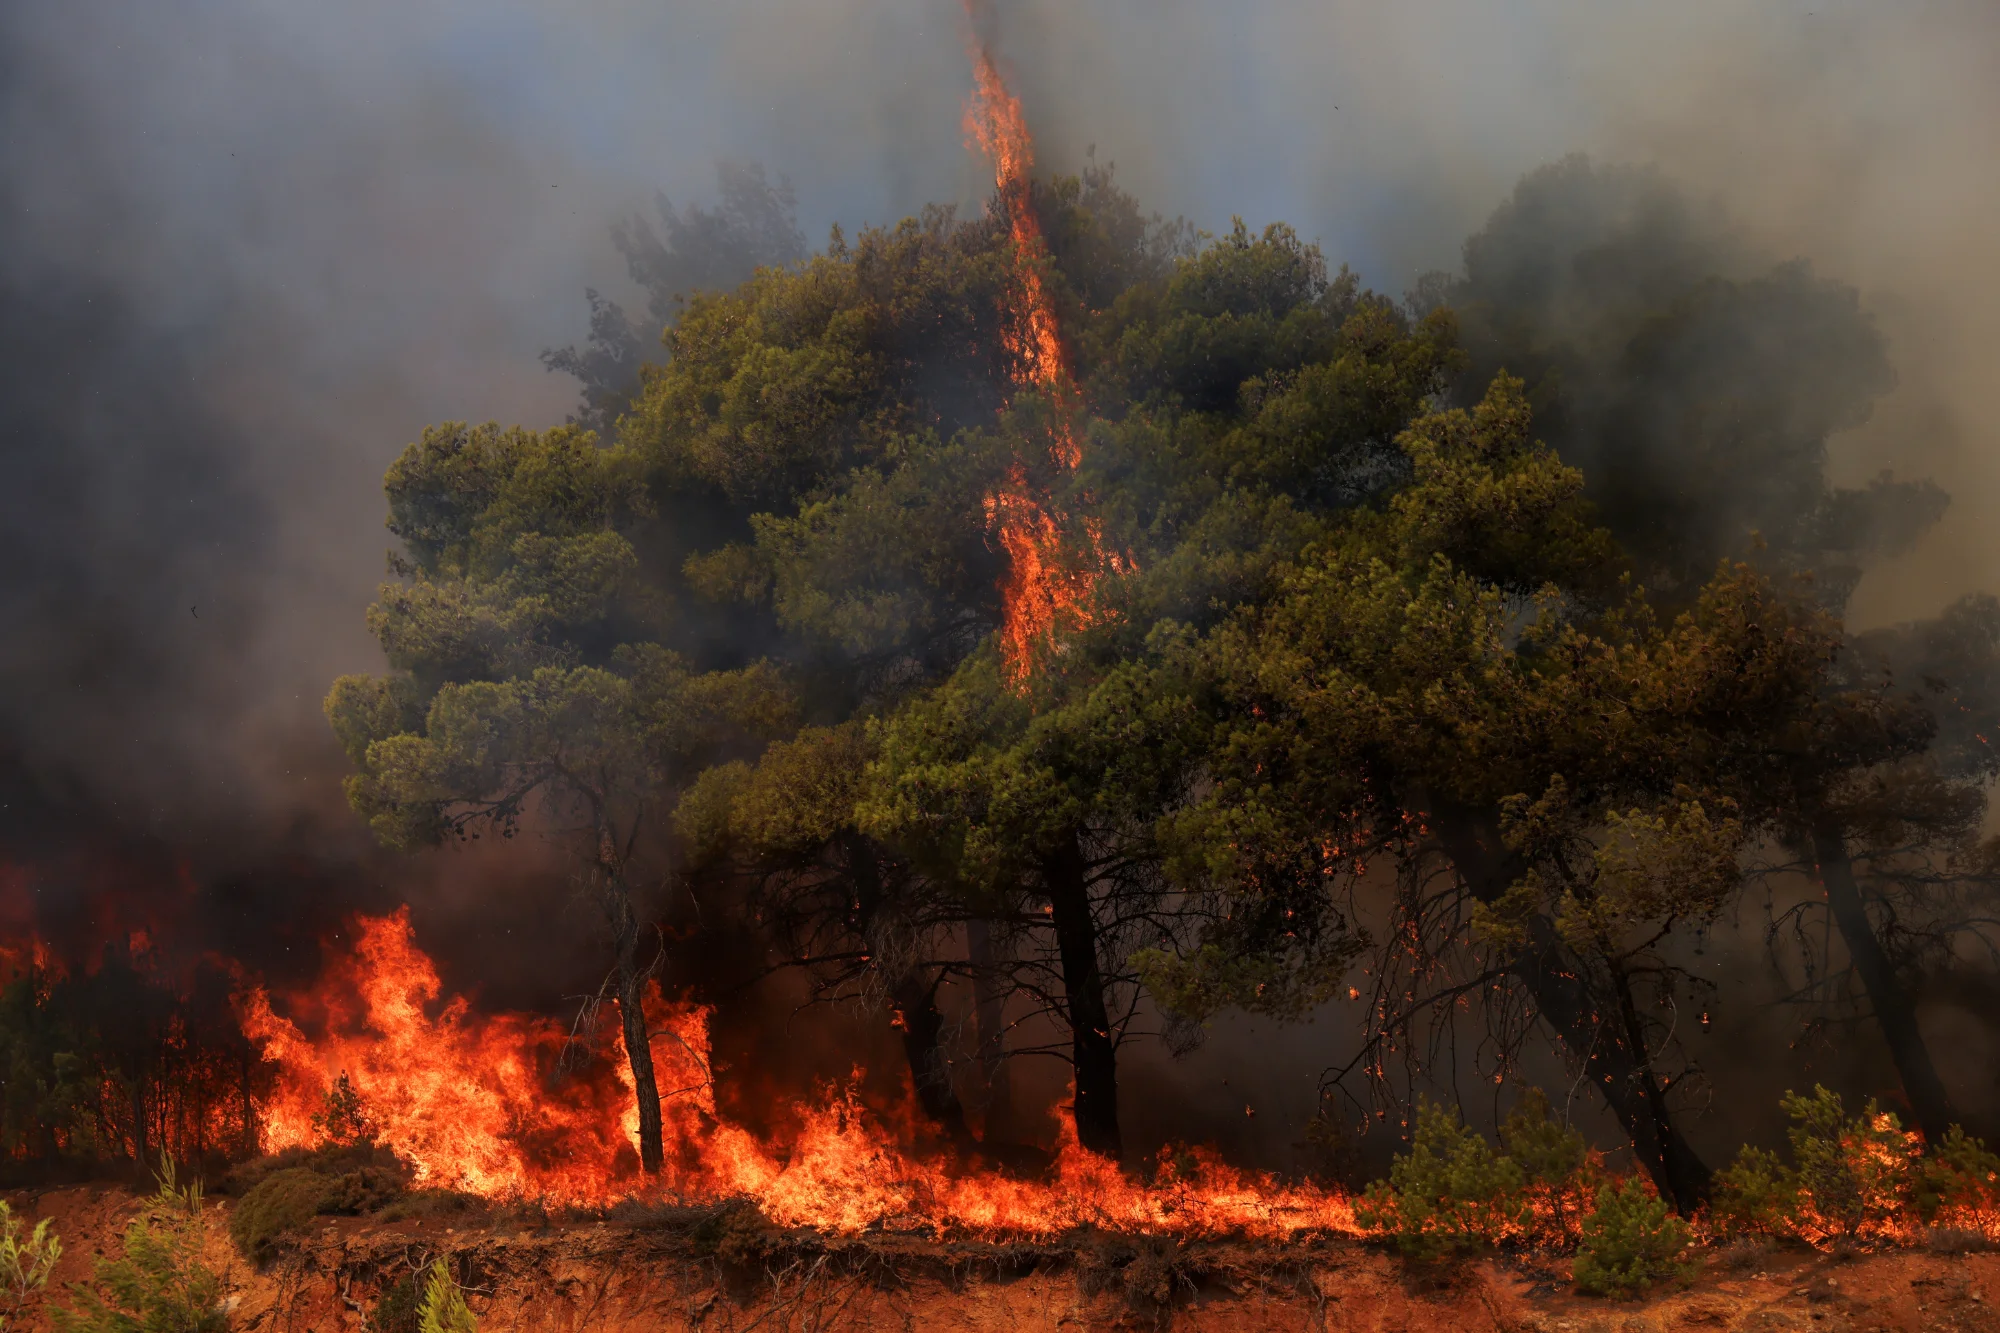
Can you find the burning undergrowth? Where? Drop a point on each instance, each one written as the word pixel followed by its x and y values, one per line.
pixel 512 1106
pixel 375 1092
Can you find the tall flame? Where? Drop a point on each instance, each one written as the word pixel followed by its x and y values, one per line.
pixel 1045 584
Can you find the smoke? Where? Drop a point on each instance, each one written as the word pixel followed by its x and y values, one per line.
pixel 247 251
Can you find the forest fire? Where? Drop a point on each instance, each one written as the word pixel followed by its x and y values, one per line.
pixel 966 724
pixel 484 1104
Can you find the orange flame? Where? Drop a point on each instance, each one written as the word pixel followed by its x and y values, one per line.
pixel 1045 586
pixel 472 1103
pixel 467 1100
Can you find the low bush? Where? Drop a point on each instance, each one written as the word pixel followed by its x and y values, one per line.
pixel 1449 1194
pixel 372 1160
pixel 162 1283
pixel 737 1235
pixel 25 1265
pixel 280 1205
pixel 443 1309
pixel 1851 1173
pixel 1755 1195
pixel 434 1203
pixel 364 1191
pixel 1959 1175
pixel 1851 1178
pixel 1631 1241
pixel 1557 1169
pixel 1743 1254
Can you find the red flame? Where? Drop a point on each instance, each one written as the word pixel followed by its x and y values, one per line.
pixel 1045 585
pixel 474 1102
pixel 468 1100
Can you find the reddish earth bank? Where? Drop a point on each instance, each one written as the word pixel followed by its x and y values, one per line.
pixel 667 1269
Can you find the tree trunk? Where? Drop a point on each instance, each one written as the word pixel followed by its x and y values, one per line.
pixel 1093 1050
pixel 930 1073
pixel 248 1108
pixel 139 1126
pixel 632 1016
pixel 989 1017
pixel 1614 1059
pixel 915 1001
pixel 1895 1011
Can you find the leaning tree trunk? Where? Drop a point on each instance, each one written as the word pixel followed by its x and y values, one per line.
pixel 1614 1055
pixel 1093 1050
pixel 1895 1010
pixel 632 1014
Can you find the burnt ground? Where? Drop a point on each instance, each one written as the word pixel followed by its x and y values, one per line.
pixel 674 1269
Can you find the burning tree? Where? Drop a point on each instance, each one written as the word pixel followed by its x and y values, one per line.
pixel 524 684
pixel 117 1059
pixel 1014 818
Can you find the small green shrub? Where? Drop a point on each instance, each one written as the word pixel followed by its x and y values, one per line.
pixel 371 1159
pixel 1851 1178
pixel 737 1235
pixel 1630 1242
pixel 282 1203
pixel 1555 1164
pixel 342 1121
pixel 1959 1173
pixel 363 1191
pixel 444 1309
pixel 433 1203
pixel 25 1265
pixel 1449 1194
pixel 1756 1195
pixel 1850 1173
pixel 161 1285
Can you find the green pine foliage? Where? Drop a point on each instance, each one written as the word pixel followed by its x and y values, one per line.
pixel 1851 1176
pixel 1557 1168
pixel 25 1263
pixel 276 1207
pixel 163 1284
pixel 444 1309
pixel 342 1120
pixel 1450 1194
pixel 1338 604
pixel 1631 1241
pixel 1852 1173
pixel 1960 1173
pixel 1757 1194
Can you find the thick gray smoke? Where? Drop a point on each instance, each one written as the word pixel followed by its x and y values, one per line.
pixel 248 250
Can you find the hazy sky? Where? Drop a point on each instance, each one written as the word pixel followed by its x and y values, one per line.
pixel 250 247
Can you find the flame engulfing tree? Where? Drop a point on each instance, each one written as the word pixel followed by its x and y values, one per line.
pixel 1027 807
pixel 528 682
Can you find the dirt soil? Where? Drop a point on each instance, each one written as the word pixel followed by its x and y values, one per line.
pixel 684 1269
